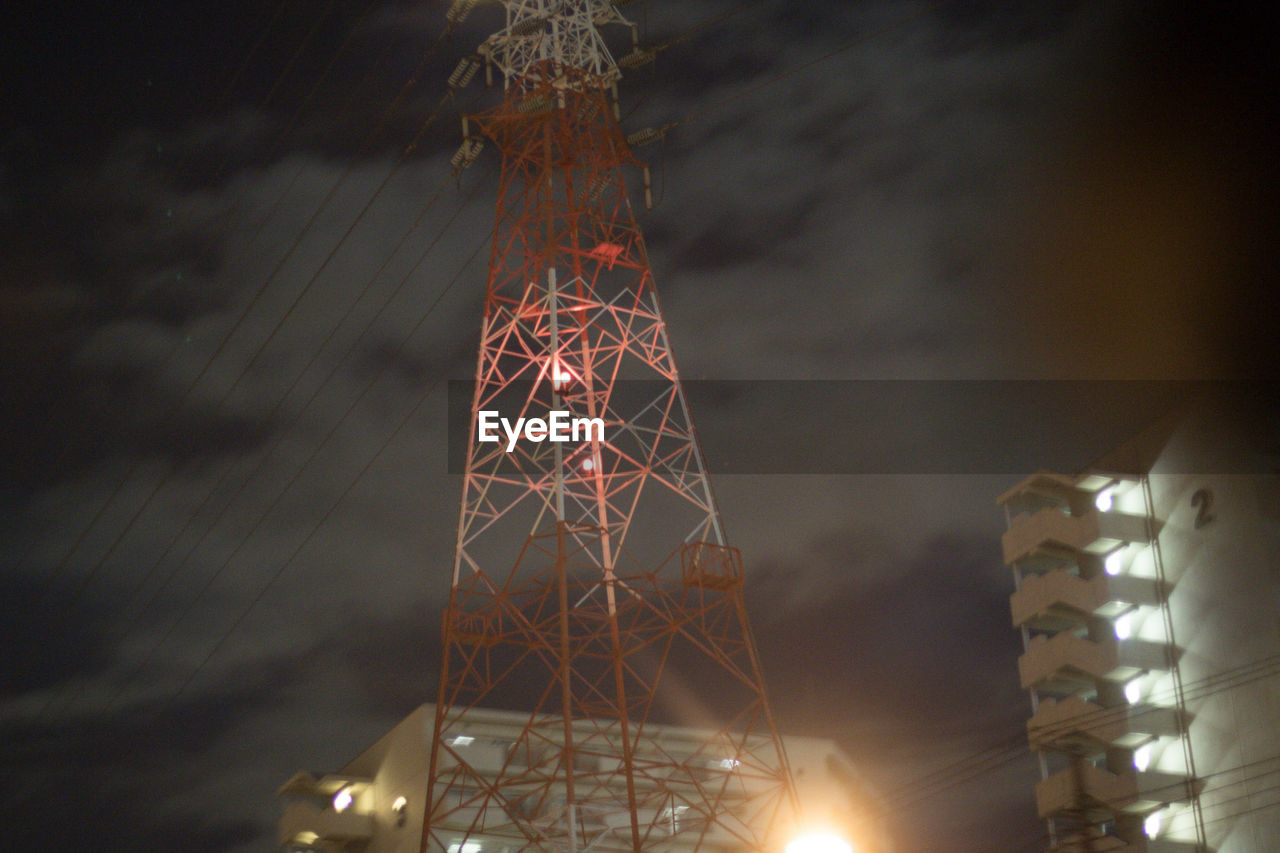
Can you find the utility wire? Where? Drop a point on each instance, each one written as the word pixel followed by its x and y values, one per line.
pixel 1225 679
pixel 979 770
pixel 1012 749
pixel 314 530
pixel 84 581
pixel 223 99
pixel 251 478
pixel 1041 841
pixel 82 585
pixel 284 566
pixel 262 289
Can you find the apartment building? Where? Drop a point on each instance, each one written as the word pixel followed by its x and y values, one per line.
pixel 1148 597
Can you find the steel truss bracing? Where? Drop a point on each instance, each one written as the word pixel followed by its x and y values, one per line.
pixel 563 33
pixel 592 584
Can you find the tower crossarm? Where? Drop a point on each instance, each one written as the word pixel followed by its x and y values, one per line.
pixel 555 34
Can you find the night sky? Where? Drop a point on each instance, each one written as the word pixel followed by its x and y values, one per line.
pixel 236 275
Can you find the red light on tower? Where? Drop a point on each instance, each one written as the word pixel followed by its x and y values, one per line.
pixel 562 378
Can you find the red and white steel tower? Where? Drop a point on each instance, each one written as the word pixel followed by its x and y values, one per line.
pixel 592 583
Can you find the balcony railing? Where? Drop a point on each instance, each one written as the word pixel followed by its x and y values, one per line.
pixel 1073 724
pixel 1050 528
pixel 1069 790
pixel 1066 663
pixel 301 819
pixel 1060 599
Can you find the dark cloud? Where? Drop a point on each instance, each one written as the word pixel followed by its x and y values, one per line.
pixel 131 774
pixel 889 654
pixel 33 658
pixel 737 241
pixel 958 191
pixel 89 416
pixel 855 612
pixel 381 653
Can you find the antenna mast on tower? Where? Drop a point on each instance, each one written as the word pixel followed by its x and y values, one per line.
pixel 593 587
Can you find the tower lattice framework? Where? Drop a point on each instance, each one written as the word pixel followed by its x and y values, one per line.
pixel 593 588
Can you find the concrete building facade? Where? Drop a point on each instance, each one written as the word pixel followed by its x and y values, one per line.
pixel 1148 596
pixel 375 803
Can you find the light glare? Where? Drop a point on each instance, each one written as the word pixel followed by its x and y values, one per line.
pixel 1113 563
pixel 1124 627
pixel 820 842
pixel 1133 692
pixel 1151 826
pixel 342 800
pixel 1142 757
pixel 1102 500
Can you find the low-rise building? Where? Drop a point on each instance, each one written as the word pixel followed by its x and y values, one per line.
pixel 375 803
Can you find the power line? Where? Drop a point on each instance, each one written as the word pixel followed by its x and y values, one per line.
pixel 82 585
pixel 315 528
pixel 1043 839
pixel 245 539
pixel 84 581
pixel 1011 749
pixel 283 432
pixel 387 114
pixel 222 99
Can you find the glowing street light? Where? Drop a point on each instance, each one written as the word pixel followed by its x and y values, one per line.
pixel 820 842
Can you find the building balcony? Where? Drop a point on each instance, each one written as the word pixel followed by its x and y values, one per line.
pixel 1074 725
pixel 309 823
pixel 1066 663
pixel 1058 599
pixel 1100 792
pixel 1051 530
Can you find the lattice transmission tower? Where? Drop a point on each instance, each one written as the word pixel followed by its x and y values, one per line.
pixel 593 588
